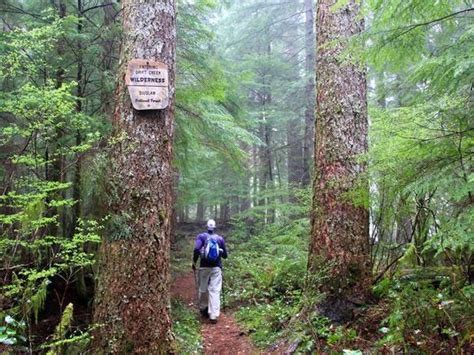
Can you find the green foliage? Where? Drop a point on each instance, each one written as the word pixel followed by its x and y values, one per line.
pixel 62 328
pixel 420 164
pixel 26 54
pixel 266 275
pixel 423 315
pixel 64 341
pixel 118 227
pixel 12 333
pixel 46 127
pixel 269 265
pixel 186 328
pixel 421 134
pixel 266 322
pixel 266 272
pixel 382 288
pixel 210 135
pixel 28 286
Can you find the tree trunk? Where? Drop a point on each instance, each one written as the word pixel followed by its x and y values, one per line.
pixel 181 216
pixel 255 177
pixel 308 141
pixel 266 177
pixel 265 154
pixel 55 172
pixel 224 212
pixel 340 229
pixel 295 154
pixel 200 210
pixel 132 303
pixel 110 47
pixel 234 204
pixel 76 194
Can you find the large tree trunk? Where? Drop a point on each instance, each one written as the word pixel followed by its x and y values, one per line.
pixel 340 229
pixel 132 303
pixel 308 141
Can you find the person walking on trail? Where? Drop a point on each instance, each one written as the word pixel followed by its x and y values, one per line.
pixel 210 248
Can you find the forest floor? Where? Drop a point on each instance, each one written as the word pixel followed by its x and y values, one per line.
pixel 225 337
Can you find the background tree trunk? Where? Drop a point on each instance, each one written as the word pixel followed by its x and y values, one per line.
pixel 308 141
pixel 340 230
pixel 200 210
pixel 295 153
pixel 132 300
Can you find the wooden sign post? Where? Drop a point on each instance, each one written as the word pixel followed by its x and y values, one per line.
pixel 147 83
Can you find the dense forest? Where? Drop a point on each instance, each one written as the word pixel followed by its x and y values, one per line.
pixel 332 141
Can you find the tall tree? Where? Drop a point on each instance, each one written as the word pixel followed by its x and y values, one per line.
pixel 340 229
pixel 132 303
pixel 308 141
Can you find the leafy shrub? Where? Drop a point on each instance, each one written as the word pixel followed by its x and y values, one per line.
pixel 266 273
pixel 423 315
pixel 269 265
pixel 265 322
pixel 12 333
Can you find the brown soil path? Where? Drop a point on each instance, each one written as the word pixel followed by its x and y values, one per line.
pixel 225 337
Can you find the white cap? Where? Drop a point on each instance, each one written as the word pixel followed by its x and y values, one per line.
pixel 211 224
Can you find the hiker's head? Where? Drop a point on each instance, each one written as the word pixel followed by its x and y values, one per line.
pixel 211 225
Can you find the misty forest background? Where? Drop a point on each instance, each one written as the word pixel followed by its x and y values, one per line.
pixel 243 154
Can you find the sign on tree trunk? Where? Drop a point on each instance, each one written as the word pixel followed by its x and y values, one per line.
pixel 147 83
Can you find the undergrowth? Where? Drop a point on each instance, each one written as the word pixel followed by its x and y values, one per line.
pixel 186 328
pixel 265 272
pixel 265 277
pixel 426 316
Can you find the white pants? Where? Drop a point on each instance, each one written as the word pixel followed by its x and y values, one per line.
pixel 210 285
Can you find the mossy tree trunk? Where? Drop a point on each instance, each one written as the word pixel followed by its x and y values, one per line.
pixel 340 229
pixel 132 299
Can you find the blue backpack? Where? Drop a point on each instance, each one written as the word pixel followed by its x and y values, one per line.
pixel 211 249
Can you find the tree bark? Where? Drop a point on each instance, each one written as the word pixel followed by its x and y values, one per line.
pixel 308 141
pixel 132 303
pixel 340 229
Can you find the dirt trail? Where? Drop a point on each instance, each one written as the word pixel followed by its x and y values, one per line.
pixel 225 337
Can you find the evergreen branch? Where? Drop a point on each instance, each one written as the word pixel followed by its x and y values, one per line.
pixel 410 28
pixel 97 7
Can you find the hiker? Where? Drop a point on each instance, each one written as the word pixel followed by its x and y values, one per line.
pixel 209 247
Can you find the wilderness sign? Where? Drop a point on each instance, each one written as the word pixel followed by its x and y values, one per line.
pixel 147 83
